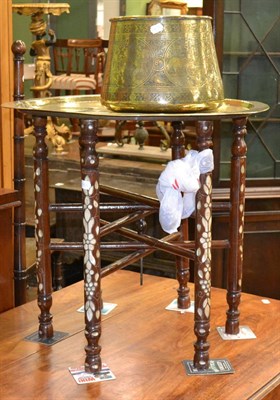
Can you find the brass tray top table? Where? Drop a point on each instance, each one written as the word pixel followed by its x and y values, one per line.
pixel 89 110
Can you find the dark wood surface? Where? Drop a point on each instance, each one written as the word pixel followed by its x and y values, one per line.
pixel 8 199
pixel 6 268
pixel 142 343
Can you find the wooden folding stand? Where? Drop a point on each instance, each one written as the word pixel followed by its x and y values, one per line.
pixel 89 110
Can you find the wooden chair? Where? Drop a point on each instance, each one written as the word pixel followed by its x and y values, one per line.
pixel 78 65
pixel 78 68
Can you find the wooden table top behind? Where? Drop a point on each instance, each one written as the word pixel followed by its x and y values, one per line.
pixel 142 343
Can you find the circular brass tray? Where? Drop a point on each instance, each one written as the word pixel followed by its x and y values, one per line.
pixel 90 106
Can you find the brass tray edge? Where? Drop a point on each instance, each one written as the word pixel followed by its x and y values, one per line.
pixel 80 105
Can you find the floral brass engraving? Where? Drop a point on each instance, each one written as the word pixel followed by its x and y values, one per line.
pixel 162 64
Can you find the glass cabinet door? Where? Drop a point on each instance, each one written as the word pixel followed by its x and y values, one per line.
pixel 251 65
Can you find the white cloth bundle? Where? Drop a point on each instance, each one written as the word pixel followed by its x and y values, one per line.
pixel 177 186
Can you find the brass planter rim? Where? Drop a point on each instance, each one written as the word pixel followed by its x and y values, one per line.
pixel 161 17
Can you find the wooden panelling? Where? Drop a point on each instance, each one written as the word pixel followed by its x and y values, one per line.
pixel 8 200
pixel 6 91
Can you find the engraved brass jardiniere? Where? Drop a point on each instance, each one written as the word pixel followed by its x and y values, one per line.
pixel 162 64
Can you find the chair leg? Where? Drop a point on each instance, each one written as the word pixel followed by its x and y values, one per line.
pixel 75 125
pixel 57 270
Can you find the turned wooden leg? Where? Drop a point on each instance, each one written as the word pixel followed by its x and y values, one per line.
pixel 237 200
pixel 20 274
pixel 177 141
pixel 57 270
pixel 183 272
pixel 91 242
pixel 141 229
pixel 202 265
pixel 42 228
pixel 182 263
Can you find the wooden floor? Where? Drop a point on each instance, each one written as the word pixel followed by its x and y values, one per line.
pixel 142 343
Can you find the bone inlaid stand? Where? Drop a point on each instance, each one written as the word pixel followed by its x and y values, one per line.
pixel 89 110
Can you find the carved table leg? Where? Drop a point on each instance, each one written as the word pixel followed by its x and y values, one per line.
pixel 182 263
pixel 42 231
pixel 203 237
pixel 237 199
pixel 91 242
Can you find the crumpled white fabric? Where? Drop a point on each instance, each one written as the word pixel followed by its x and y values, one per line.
pixel 177 187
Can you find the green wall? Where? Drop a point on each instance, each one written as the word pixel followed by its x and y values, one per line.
pixel 21 30
pixel 136 7
pixel 76 23
pixel 79 23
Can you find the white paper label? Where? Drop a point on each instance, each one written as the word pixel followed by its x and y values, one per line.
pixel 156 28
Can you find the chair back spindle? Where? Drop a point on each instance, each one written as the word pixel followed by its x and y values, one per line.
pixel 78 65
